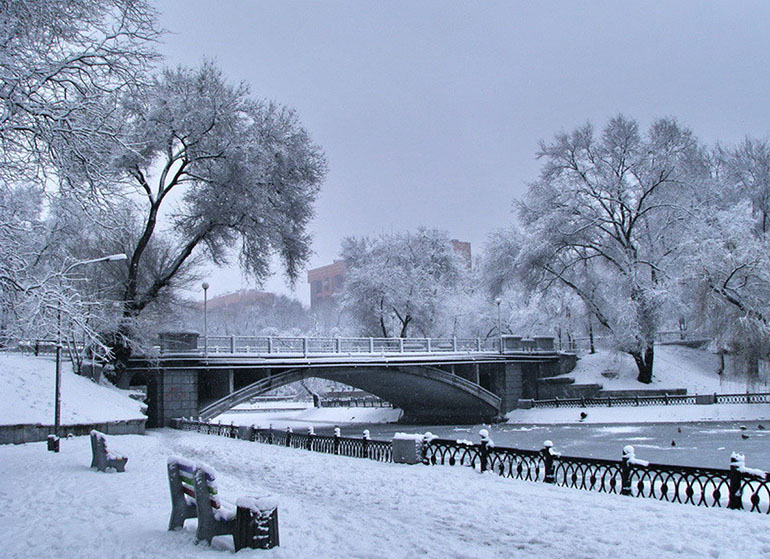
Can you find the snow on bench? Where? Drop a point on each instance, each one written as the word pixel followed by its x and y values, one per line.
pixel 190 484
pixel 102 458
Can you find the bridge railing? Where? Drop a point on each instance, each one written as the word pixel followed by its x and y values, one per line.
pixel 340 345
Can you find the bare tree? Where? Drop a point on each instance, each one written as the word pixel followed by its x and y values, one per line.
pixel 395 281
pixel 605 220
pixel 60 60
pixel 207 169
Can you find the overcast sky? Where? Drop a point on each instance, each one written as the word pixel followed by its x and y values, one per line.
pixel 430 113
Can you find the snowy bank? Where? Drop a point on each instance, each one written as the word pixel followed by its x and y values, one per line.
pixel 318 417
pixel 28 383
pixel 337 507
pixel 674 367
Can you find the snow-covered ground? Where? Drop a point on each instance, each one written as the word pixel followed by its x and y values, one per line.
pixel 338 507
pixel 674 367
pixel 27 392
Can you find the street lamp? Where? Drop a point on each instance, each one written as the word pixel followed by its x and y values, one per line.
pixel 205 287
pixel 53 441
pixel 498 300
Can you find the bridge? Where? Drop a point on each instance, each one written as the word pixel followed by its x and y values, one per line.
pixel 448 380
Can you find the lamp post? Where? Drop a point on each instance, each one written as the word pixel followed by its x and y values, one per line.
pixel 53 441
pixel 498 300
pixel 205 287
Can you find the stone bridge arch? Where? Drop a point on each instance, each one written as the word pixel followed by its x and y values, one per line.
pixel 425 394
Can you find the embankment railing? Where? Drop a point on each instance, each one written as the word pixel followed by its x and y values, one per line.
pixel 657 400
pixel 738 488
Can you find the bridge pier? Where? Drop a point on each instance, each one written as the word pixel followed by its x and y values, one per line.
pixel 177 396
pixel 508 385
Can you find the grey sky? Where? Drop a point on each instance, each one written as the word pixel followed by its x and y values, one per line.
pixel 430 112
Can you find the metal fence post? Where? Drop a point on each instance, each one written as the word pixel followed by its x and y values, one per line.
pixel 337 345
pixel 548 461
pixel 429 348
pixel 310 438
pixel 478 345
pixel 454 344
pixel 288 436
pixel 371 345
pixel 426 439
pixel 304 347
pixel 336 440
pixel 401 345
pixel 735 501
pixel 270 344
pixel 232 344
pixel 270 438
pixel 365 443
pixel 484 449
pixel 625 471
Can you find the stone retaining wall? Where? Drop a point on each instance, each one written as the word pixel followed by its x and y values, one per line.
pixel 29 433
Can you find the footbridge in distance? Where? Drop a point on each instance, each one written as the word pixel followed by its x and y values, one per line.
pixel 447 380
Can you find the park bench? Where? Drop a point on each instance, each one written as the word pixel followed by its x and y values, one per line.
pixel 181 481
pixel 195 494
pixel 102 458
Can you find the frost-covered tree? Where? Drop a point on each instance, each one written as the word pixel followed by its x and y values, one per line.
pixel 401 280
pixel 223 171
pixel 605 220
pixel 727 264
pixel 62 65
pixel 59 61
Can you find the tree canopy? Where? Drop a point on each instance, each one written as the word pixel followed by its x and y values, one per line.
pixel 400 280
pixel 605 220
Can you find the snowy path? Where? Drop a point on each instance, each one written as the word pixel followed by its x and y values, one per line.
pixel 338 507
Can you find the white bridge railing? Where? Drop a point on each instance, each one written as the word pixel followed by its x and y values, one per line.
pixel 268 345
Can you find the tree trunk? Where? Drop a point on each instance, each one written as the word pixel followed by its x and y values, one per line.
pixel 752 365
pixel 404 326
pixel 644 363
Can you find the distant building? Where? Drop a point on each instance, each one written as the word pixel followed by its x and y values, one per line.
pixel 326 281
pixel 463 248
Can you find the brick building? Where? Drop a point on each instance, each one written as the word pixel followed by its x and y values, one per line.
pixel 325 282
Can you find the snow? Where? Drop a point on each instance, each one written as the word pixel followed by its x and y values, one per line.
pixel 329 506
pixel 408 437
pixel 642 414
pixel 338 507
pixel 674 367
pixel 320 417
pixel 28 387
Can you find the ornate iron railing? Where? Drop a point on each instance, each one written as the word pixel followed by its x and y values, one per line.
pixel 657 400
pixel 362 402
pixel 363 447
pixel 736 488
pixel 747 398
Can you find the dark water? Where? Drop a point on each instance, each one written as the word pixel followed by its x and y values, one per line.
pixel 706 444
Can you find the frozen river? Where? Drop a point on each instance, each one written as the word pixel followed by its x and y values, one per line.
pixel 706 444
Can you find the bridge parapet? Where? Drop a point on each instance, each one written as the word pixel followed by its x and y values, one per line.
pixel 270 345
